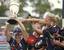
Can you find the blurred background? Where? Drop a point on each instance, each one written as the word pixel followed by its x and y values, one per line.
pixel 35 8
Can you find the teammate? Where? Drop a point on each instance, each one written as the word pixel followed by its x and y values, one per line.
pixel 17 42
pixel 50 33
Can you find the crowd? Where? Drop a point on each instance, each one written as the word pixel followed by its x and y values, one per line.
pixel 46 35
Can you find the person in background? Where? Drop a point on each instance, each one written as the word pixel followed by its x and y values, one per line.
pixel 3 38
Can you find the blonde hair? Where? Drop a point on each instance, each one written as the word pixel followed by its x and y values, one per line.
pixel 53 19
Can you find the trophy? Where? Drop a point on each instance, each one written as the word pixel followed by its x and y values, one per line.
pixel 14 8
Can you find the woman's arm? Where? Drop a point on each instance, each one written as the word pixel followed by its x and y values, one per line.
pixel 32 20
pixel 24 32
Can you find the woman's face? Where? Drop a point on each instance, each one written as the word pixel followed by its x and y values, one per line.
pixel 19 36
pixel 47 21
pixel 38 25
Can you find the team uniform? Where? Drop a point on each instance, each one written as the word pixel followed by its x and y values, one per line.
pixel 47 38
pixel 31 46
pixel 38 44
pixel 61 39
pixel 13 43
pixel 17 46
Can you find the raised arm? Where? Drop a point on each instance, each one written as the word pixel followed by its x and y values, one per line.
pixel 32 20
pixel 24 32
